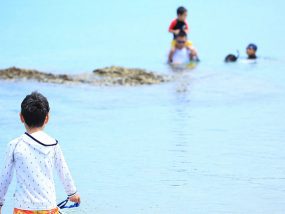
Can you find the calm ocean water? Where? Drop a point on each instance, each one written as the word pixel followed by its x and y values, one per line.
pixel 212 141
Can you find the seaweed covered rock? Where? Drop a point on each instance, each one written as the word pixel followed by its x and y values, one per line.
pixel 105 76
pixel 14 73
pixel 129 76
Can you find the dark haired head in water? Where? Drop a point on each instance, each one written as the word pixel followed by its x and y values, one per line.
pixel 231 58
pixel 251 51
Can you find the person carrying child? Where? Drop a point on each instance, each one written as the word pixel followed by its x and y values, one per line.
pixel 178 25
pixel 33 156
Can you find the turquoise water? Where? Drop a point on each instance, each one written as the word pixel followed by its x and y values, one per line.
pixel 212 141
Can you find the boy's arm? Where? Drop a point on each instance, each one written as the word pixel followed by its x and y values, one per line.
pixel 187 28
pixel 172 25
pixel 174 31
pixel 7 172
pixel 64 173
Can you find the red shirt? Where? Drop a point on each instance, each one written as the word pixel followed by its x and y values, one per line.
pixel 177 24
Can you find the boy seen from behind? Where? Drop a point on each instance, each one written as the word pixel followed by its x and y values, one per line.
pixel 33 156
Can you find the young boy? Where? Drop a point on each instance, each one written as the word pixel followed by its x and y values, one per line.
pixel 33 156
pixel 251 51
pixel 178 25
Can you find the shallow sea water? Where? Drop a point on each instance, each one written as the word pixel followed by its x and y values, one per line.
pixel 212 141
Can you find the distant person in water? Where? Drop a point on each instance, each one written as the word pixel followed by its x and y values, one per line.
pixel 231 58
pixel 178 25
pixel 181 54
pixel 250 51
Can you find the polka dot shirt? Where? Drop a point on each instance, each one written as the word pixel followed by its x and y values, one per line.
pixel 33 158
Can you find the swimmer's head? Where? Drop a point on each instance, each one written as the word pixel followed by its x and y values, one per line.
pixel 252 46
pixel 251 51
pixel 231 58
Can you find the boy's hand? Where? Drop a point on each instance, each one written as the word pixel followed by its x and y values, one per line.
pixel 75 198
pixel 176 31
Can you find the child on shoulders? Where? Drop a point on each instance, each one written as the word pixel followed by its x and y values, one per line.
pixel 178 25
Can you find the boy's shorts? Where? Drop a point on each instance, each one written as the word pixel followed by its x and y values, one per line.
pixel 53 211
pixel 188 43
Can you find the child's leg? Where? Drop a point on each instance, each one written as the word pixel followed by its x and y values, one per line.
pixel 170 55
pixel 172 50
pixel 193 51
pixel 189 43
pixel 173 43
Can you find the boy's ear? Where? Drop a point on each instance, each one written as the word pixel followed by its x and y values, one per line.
pixel 21 118
pixel 47 119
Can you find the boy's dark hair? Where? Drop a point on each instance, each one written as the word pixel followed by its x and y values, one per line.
pixel 182 33
pixel 181 10
pixel 252 46
pixel 231 58
pixel 34 109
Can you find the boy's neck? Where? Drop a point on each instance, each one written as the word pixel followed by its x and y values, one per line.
pixel 252 56
pixel 33 130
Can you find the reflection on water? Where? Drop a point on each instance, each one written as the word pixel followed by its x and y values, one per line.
pixel 181 165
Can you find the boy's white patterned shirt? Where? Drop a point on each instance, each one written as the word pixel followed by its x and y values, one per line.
pixel 33 158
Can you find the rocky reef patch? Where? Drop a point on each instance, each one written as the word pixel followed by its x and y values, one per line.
pixel 108 76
